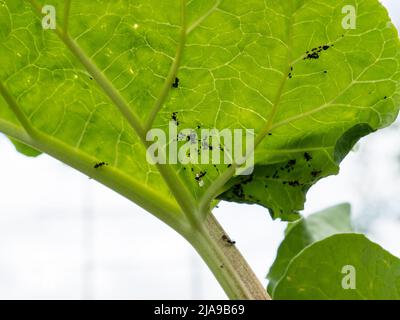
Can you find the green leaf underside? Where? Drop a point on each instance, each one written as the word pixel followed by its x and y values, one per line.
pixel 305 232
pixel 24 149
pixel 244 65
pixel 316 273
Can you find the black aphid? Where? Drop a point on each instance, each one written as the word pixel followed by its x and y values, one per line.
pixel 311 56
pixel 294 183
pixel 176 83
pixel 228 241
pixel 238 191
pixel 316 173
pixel 315 52
pixel 100 164
pixel 174 117
pixel 200 175
pixel 291 163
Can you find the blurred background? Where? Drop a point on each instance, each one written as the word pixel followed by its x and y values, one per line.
pixel 63 236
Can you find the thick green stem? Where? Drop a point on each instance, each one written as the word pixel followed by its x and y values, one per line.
pixel 226 262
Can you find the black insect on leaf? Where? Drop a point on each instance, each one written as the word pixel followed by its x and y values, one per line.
pixel 176 83
pixel 100 164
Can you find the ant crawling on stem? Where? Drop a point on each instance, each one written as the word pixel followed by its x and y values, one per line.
pixel 228 241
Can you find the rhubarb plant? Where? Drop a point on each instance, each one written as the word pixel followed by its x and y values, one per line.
pixel 95 84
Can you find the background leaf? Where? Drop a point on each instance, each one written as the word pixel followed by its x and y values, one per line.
pixel 316 273
pixel 305 232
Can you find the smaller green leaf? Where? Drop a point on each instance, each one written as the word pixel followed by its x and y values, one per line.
pixel 304 232
pixel 342 267
pixel 25 150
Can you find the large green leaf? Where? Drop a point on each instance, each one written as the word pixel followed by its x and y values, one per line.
pixel 286 69
pixel 344 266
pixel 305 232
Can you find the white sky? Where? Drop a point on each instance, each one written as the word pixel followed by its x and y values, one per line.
pixel 64 236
